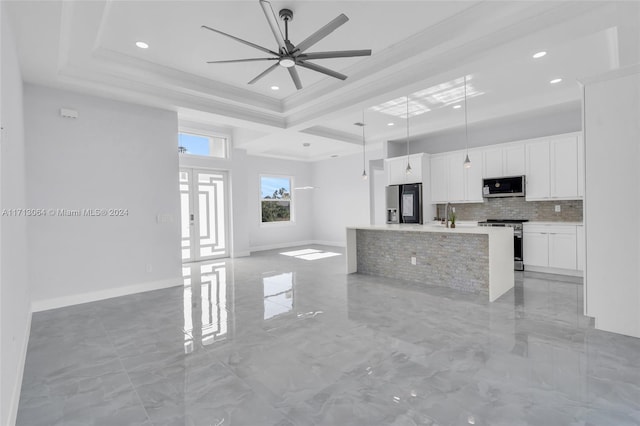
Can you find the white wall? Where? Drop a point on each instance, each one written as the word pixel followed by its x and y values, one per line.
pixel 115 155
pixel 612 202
pixel 276 235
pixel 15 312
pixel 341 198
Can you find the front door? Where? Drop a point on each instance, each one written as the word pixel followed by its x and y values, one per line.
pixel 203 202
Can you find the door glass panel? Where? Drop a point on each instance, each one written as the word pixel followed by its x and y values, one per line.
pixel 211 212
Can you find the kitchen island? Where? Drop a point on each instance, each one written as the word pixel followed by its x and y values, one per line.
pixel 468 258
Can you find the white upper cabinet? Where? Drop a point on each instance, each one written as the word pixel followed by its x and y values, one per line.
pixel 513 160
pixel 456 177
pixel 580 166
pixel 452 182
pixel 552 168
pixel 439 178
pixel 564 166
pixel 492 162
pixel 537 173
pixel 503 160
pixel 396 169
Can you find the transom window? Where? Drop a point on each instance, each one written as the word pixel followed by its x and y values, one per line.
pixel 202 145
pixel 275 199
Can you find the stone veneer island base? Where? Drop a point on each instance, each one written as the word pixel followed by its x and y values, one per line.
pixel 470 259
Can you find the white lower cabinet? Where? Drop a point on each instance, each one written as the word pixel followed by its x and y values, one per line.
pixel 580 244
pixel 551 246
pixel 535 248
pixel 563 250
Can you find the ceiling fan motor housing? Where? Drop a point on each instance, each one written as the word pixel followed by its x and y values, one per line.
pixel 286 15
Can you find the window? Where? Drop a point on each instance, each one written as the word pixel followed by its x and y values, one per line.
pixel 275 199
pixel 206 146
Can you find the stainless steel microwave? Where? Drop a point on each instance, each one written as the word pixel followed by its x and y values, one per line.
pixel 512 186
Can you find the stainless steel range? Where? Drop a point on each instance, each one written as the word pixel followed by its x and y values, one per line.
pixel 516 224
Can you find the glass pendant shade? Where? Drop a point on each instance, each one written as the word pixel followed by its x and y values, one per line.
pixel 467 162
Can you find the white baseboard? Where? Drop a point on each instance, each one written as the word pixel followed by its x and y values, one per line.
pixel 243 253
pixel 297 244
pixel 557 271
pixel 280 245
pixel 17 387
pixel 76 299
pixel 330 243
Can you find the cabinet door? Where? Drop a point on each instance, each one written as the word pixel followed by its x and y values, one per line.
pixel 416 169
pixel 537 162
pixel 473 177
pixel 562 251
pixel 535 249
pixel 492 163
pixel 513 163
pixel 396 170
pixel 439 170
pixel 580 166
pixel 456 177
pixel 564 166
pixel 580 248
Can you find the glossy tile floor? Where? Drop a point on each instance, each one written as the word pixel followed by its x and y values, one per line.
pixel 286 340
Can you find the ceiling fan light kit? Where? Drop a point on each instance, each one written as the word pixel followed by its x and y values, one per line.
pixel 289 55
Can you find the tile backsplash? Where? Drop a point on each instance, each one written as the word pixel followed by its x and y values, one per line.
pixel 518 208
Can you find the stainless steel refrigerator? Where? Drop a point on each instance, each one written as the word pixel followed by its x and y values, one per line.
pixel 404 203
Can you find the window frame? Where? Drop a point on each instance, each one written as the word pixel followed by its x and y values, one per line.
pixel 291 220
pixel 210 136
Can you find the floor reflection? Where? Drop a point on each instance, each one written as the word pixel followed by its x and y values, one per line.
pixel 206 302
pixel 278 294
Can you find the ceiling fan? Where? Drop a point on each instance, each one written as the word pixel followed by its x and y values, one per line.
pixel 289 55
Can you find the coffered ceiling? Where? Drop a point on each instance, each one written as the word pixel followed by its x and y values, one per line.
pixel 420 48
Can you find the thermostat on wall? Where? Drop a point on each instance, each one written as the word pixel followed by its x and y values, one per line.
pixel 68 113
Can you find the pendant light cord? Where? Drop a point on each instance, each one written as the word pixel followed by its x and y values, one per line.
pixel 466 126
pixel 407 127
pixel 364 168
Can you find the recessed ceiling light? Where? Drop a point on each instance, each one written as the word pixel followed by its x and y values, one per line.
pixel 275 88
pixel 539 54
pixel 142 45
pixel 457 106
pixel 555 81
pixel 391 124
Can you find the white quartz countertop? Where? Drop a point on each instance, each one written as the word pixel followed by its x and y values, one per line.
pixel 462 228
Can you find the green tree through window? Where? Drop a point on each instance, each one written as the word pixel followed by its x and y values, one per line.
pixel 275 199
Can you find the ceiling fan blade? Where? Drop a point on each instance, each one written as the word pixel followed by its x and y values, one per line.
pixel 263 73
pixel 321 69
pixel 321 33
pixel 335 54
pixel 273 24
pixel 295 77
pixel 248 43
pixel 230 61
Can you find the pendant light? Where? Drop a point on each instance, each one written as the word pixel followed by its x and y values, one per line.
pixel 467 162
pixel 364 168
pixel 408 169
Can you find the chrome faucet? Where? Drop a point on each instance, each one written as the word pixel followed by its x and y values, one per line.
pixel 446 214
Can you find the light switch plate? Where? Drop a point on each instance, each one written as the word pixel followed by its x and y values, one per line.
pixel 558 209
pixel 414 260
